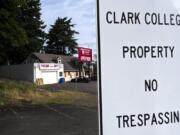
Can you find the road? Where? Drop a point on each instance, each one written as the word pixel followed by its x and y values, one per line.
pixel 83 87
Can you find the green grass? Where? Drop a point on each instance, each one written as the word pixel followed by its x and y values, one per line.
pixel 18 93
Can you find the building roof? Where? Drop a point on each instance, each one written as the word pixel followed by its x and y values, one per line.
pixel 52 58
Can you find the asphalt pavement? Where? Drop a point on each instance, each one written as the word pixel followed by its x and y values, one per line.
pixel 49 120
pixel 83 87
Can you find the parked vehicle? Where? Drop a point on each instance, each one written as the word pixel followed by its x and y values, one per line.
pixel 81 79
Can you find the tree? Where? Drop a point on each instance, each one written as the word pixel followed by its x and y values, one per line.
pixel 60 39
pixel 11 33
pixel 30 20
pixel 21 30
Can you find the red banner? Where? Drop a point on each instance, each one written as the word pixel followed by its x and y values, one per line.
pixel 84 55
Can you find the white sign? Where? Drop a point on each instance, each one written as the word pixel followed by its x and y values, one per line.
pixel 139 52
pixel 51 66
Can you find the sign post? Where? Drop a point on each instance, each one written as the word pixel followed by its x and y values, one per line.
pixel 84 55
pixel 139 67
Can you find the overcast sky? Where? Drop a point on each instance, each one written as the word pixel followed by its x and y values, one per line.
pixel 82 13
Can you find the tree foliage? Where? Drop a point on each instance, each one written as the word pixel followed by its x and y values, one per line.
pixel 21 29
pixel 30 20
pixel 60 39
pixel 11 33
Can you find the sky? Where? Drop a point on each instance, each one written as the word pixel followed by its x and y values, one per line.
pixel 82 13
